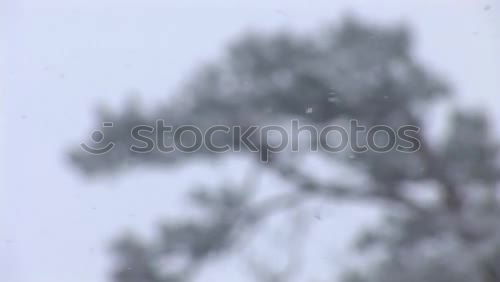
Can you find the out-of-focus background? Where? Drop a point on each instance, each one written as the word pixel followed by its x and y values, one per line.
pixel 64 63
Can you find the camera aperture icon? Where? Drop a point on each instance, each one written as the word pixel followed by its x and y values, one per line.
pixel 97 137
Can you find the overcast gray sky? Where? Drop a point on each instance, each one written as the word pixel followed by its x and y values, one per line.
pixel 60 59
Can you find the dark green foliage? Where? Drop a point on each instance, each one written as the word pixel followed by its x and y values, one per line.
pixel 355 71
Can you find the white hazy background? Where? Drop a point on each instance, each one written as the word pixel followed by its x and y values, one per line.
pixel 59 60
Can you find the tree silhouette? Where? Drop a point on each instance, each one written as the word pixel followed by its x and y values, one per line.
pixel 353 71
